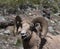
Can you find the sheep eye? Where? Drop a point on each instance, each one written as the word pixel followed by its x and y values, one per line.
pixel 32 28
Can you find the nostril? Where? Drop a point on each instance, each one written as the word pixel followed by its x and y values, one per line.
pixel 23 34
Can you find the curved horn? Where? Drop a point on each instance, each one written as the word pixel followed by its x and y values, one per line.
pixel 44 25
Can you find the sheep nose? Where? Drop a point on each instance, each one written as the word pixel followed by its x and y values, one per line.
pixel 23 34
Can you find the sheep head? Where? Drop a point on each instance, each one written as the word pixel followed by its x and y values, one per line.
pixel 28 27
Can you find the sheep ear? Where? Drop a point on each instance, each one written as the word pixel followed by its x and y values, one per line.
pixel 37 24
pixel 17 25
pixel 18 21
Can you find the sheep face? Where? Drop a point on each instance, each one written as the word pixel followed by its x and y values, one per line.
pixel 25 31
pixel 28 27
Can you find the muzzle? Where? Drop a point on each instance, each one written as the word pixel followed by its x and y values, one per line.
pixel 25 35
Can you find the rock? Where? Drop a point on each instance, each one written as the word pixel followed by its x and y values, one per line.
pixel 56 20
pixel 52 21
pixel 53 42
pixel 1 34
pixel 57 28
pixel 59 22
pixel 21 47
pixel 2 19
pixel 10 29
pixel 12 40
pixel 7 32
pixel 30 13
pixel 5 21
pixel 57 14
pixel 50 29
pixel 1 31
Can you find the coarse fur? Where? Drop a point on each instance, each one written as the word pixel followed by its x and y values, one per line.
pixel 17 24
pixel 44 25
pixel 33 42
pixel 31 36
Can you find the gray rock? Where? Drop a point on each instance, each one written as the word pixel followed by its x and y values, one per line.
pixel 7 32
pixel 1 31
pixel 6 21
pixel 2 19
pixel 59 22
pixel 53 42
pixel 57 28
pixel 12 40
pixel 50 29
pixel 1 34
pixel 52 21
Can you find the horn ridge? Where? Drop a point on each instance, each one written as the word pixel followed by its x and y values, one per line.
pixel 44 24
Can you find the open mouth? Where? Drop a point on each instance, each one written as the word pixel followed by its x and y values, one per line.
pixel 24 37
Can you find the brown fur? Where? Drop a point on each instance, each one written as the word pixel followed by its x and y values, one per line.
pixel 17 24
pixel 43 23
pixel 34 41
pixel 11 28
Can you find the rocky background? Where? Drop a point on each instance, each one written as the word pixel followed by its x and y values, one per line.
pixel 8 13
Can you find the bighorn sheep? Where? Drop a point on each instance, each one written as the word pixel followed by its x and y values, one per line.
pixel 31 38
